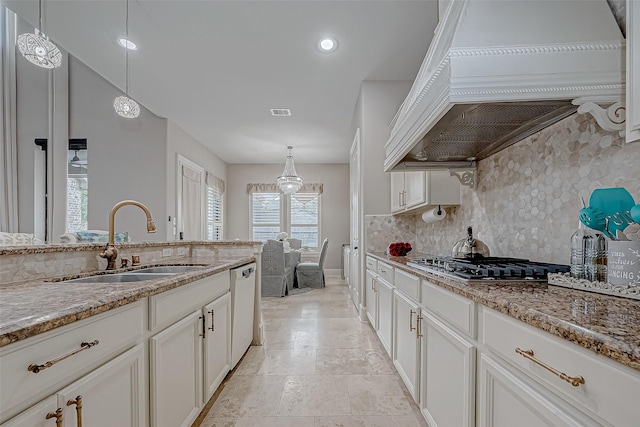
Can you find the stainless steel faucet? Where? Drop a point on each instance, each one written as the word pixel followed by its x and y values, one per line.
pixel 110 253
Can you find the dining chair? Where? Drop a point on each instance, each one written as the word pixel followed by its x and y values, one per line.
pixel 274 277
pixel 295 243
pixel 311 274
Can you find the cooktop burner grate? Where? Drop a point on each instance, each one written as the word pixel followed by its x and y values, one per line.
pixel 494 268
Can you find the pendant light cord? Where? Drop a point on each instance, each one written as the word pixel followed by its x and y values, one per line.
pixel 126 52
pixel 40 16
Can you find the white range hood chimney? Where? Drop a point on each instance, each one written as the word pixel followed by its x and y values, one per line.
pixel 498 71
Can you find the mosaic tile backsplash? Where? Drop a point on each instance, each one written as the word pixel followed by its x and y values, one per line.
pixel 528 195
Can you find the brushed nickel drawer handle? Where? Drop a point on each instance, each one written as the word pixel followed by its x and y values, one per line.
pixel 411 328
pixel 83 346
pixel 528 354
pixel 213 320
pixel 418 327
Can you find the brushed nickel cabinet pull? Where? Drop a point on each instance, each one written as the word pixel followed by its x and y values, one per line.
pixel 83 346
pixel 57 415
pixel 213 320
pixel 418 327
pixel 204 326
pixel 78 403
pixel 528 354
pixel 411 328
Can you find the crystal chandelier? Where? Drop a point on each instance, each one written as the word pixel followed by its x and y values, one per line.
pixel 125 106
pixel 37 48
pixel 289 182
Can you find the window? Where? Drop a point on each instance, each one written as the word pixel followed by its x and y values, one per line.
pixel 214 213
pixel 297 214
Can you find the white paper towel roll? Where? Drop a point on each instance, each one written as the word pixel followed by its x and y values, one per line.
pixel 433 215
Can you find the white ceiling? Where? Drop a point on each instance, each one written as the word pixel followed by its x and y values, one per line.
pixel 215 68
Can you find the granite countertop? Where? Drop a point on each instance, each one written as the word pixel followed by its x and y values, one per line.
pixel 607 325
pixel 34 307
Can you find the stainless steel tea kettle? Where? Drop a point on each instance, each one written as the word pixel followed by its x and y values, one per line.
pixel 470 248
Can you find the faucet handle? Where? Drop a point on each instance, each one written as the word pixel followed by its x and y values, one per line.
pixel 124 262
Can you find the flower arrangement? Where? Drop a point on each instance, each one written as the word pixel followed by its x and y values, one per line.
pixel 282 236
pixel 399 249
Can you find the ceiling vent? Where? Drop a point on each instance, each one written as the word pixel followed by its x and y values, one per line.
pixel 280 112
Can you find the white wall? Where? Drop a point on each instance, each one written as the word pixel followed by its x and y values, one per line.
pixel 180 142
pixel 334 203
pixel 126 158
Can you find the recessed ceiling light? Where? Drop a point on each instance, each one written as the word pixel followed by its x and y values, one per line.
pixel 127 43
pixel 327 44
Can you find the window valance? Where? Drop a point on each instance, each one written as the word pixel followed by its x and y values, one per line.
pixel 215 182
pixel 273 188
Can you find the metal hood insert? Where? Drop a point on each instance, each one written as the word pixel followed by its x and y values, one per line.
pixel 499 71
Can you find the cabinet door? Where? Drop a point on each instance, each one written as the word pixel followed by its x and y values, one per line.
pixel 507 400
pixel 371 299
pixel 112 395
pixel 385 314
pixel 36 416
pixel 406 341
pixel 414 186
pixel 442 188
pixel 176 373
pixel 447 378
pixel 217 344
pixel 633 72
pixel 397 191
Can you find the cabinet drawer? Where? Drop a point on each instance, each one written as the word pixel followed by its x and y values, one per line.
pixel 385 271
pixel 372 264
pixel 610 389
pixel 169 307
pixel 115 330
pixel 407 283
pixel 458 311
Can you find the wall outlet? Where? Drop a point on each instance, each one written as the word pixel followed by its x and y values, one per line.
pixel 182 251
pixel 167 252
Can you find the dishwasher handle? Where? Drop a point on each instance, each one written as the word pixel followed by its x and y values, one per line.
pixel 247 272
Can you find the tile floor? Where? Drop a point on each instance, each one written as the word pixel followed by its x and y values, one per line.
pixel 320 366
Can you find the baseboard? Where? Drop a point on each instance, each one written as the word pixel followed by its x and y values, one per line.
pixel 333 272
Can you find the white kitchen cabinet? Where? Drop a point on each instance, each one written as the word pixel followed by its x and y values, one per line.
pixel 507 400
pixel 415 190
pixel 447 377
pixel 217 343
pixel 406 342
pixel 39 415
pixel 176 372
pixel 384 292
pixel 112 395
pixel 371 299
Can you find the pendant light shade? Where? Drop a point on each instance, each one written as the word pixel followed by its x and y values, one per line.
pixel 125 106
pixel 289 182
pixel 37 48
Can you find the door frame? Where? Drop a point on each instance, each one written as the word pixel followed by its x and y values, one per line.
pixel 183 161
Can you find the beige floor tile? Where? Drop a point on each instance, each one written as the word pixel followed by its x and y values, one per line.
pixel 249 396
pixel 377 395
pixel 355 421
pixel 218 422
pixel 295 361
pixel 279 339
pixel 275 422
pixel 352 361
pixel 314 395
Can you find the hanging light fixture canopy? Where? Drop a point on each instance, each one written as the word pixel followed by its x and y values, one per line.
pixel 37 48
pixel 125 106
pixel 289 182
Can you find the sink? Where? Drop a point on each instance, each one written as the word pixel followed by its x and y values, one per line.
pixel 168 269
pixel 118 278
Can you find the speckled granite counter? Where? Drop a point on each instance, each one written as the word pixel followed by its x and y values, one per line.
pixel 607 325
pixel 33 307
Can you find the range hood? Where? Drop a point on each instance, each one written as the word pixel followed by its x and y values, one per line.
pixel 499 71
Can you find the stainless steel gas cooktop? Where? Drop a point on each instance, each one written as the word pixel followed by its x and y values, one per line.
pixel 481 269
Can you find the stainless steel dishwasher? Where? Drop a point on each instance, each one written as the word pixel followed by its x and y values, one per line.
pixel 243 288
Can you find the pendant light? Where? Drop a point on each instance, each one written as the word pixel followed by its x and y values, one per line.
pixel 37 48
pixel 289 182
pixel 125 106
